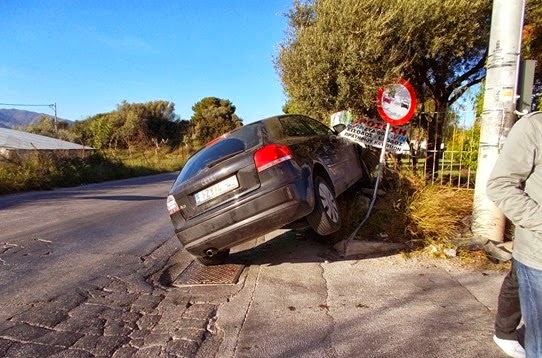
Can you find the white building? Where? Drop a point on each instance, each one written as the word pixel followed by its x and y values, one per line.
pixel 18 143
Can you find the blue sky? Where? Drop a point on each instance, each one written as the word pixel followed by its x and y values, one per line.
pixel 88 56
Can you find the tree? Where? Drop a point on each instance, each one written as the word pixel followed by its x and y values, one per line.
pixel 212 117
pixel 45 126
pixel 162 124
pixel 145 123
pixel 337 53
pixel 101 128
pixel 153 123
pixel 291 107
pixel 82 132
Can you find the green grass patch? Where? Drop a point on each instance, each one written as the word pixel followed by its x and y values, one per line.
pixel 160 161
pixel 42 170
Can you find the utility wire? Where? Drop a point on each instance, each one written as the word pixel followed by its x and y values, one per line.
pixel 52 106
pixel 26 105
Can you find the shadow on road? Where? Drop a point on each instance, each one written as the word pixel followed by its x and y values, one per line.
pixel 295 246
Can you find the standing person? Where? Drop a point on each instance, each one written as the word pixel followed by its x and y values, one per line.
pixel 508 317
pixel 515 185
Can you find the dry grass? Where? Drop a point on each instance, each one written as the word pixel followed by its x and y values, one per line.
pixel 435 212
pixel 162 160
pixel 428 218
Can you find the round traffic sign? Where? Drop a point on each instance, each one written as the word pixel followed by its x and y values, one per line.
pixel 396 103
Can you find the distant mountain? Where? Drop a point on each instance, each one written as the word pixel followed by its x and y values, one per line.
pixel 17 118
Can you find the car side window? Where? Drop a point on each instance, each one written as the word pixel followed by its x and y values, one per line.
pixel 294 126
pixel 317 127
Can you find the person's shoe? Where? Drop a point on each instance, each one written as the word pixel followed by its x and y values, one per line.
pixel 512 348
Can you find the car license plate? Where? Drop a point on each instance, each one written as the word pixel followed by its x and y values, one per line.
pixel 216 190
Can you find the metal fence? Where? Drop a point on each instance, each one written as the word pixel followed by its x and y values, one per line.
pixel 457 154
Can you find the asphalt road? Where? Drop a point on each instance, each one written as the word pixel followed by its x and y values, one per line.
pixel 81 272
pixel 52 241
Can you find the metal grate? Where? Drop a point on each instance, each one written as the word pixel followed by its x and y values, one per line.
pixel 198 274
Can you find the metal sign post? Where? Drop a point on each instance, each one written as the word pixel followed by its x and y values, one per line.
pixel 396 105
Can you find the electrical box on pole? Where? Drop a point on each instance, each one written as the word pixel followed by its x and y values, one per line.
pixel 525 85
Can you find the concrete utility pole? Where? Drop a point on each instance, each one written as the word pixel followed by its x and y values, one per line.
pixel 498 112
pixel 53 106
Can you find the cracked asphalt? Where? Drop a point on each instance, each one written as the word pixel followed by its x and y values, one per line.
pixel 80 270
pixel 109 316
pixel 92 272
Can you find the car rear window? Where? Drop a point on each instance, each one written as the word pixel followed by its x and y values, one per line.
pixel 239 140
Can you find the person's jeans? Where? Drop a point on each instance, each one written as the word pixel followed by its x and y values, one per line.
pixel 508 310
pixel 530 294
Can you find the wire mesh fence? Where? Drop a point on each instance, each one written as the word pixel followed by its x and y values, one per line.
pixel 457 153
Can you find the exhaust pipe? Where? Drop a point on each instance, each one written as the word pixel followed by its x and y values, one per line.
pixel 211 252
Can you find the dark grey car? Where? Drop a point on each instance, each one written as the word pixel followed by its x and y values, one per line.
pixel 259 178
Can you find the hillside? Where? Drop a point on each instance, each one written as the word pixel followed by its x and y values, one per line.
pixel 13 118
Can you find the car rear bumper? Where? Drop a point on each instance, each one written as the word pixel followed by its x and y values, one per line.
pixel 249 220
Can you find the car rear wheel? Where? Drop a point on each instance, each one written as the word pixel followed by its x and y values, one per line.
pixel 216 259
pixel 324 219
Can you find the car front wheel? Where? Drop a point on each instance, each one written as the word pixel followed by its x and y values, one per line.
pixel 324 219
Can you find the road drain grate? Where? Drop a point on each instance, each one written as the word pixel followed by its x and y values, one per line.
pixel 198 274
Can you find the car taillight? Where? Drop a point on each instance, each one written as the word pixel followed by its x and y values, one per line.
pixel 171 204
pixel 271 155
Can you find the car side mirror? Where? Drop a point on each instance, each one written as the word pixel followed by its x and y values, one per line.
pixel 338 128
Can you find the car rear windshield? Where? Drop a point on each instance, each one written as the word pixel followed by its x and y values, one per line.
pixel 237 141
